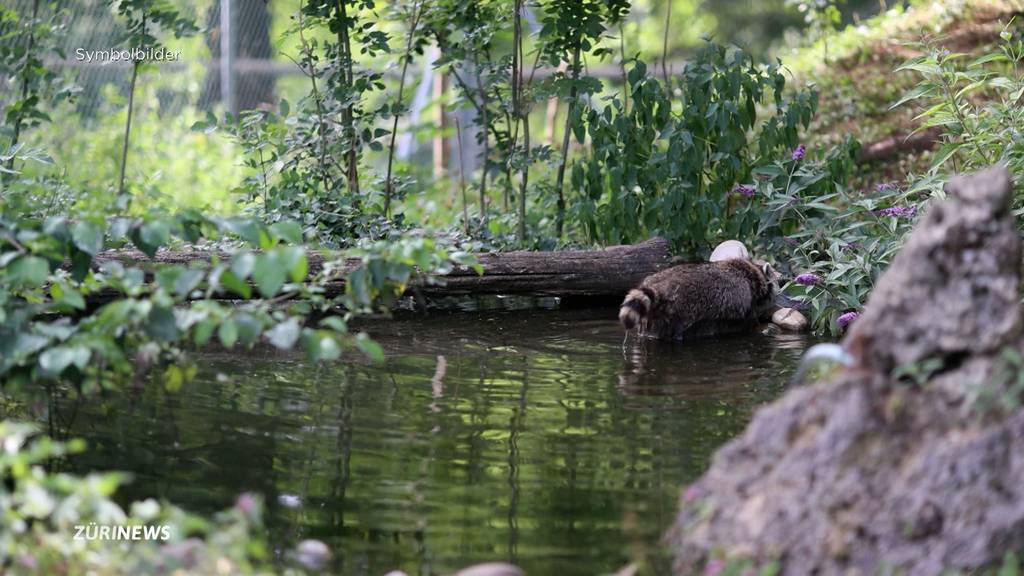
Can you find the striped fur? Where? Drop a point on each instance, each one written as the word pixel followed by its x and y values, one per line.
pixel 634 308
pixel 701 299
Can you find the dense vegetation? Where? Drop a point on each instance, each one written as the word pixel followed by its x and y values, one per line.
pixel 719 149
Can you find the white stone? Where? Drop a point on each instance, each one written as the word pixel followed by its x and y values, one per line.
pixel 789 320
pixel 312 554
pixel 728 250
pixel 491 569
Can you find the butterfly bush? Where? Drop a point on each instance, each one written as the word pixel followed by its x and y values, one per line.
pixel 818 226
pixel 798 154
pixel 744 190
pixel 844 320
pixel 808 279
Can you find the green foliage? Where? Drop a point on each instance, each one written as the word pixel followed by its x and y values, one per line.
pixel 976 131
pixel 42 510
pixel 48 332
pixel 845 239
pixel 822 18
pixel 668 165
pixel 570 30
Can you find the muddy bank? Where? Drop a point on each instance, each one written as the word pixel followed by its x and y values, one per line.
pixel 909 459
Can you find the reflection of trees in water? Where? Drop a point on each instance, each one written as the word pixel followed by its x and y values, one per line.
pixel 425 467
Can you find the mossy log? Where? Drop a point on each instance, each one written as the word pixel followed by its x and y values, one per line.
pixel 606 273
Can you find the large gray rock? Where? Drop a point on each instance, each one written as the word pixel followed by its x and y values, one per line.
pixel 866 473
pixel 954 288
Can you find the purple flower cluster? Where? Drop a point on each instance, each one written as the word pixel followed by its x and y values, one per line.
pixel 846 319
pixel 808 279
pixel 898 211
pixel 798 154
pixel 744 190
pixel 886 186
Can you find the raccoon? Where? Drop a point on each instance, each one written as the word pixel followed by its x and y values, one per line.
pixel 701 299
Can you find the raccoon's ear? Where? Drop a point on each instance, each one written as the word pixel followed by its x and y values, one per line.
pixel 766 268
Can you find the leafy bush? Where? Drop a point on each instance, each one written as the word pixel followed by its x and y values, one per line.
pixel 48 333
pixel 40 510
pixel 833 242
pixel 668 164
pixel 976 131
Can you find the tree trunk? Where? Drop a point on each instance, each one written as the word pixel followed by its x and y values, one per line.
pixel 610 272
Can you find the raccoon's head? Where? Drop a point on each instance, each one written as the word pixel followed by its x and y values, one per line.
pixel 771 275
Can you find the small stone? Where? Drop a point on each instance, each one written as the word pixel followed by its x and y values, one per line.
pixel 491 569
pixel 312 554
pixel 728 250
pixel 789 320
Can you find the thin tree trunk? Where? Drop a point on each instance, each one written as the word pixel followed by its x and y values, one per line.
pixel 560 178
pixel 462 178
pixel 485 118
pixel 622 64
pixel 128 122
pixel 318 101
pixel 347 114
pixel 388 185
pixel 664 42
pixel 521 115
pixel 29 42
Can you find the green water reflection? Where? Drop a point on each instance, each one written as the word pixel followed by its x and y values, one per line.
pixel 536 438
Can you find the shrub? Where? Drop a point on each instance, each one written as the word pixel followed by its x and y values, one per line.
pixel 668 164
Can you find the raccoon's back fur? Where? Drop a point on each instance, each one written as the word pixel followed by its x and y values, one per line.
pixel 702 299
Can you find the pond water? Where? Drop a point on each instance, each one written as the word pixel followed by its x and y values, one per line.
pixel 536 437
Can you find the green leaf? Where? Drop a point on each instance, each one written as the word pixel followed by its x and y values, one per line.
pixel 56 359
pixel 231 282
pixel 29 271
pixel 335 323
pixel 173 378
pixel 67 297
pixel 187 282
pixel 269 274
pixel 248 328
pixel 285 334
pixel 149 237
pixel 290 231
pixel 227 332
pixel 367 346
pixel 88 237
pixel 161 325
pixel 242 264
pixel 202 331
pixel 945 153
pixel 293 259
pixel 321 346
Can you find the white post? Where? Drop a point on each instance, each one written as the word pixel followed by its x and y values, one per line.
pixel 227 83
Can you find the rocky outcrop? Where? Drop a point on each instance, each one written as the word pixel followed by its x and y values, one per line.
pixel 910 459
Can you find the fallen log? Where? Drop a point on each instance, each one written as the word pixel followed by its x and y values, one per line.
pixel 897 144
pixel 568 274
